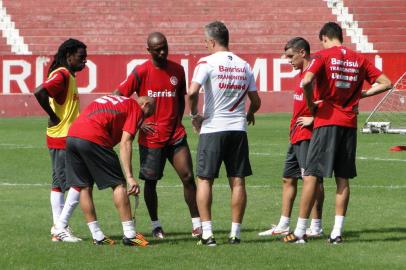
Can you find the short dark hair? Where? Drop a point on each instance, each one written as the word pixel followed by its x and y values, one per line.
pixel 69 46
pixel 331 30
pixel 218 31
pixel 298 43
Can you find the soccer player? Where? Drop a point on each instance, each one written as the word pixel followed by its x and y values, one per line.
pixel 338 74
pixel 297 51
pixel 162 137
pixel 226 79
pixel 90 158
pixel 59 98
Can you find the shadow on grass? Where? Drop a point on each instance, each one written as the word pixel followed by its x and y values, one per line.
pixel 353 236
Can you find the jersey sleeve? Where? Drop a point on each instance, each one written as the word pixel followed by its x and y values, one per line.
pixel 182 86
pixel 201 72
pixel 130 85
pixel 56 84
pixel 134 119
pixel 316 64
pixel 372 73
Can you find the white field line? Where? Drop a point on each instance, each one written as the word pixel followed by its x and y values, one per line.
pixel 27 146
pixel 7 184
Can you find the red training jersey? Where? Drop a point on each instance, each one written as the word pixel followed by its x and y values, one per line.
pixel 298 133
pixel 340 74
pixel 168 87
pixel 104 120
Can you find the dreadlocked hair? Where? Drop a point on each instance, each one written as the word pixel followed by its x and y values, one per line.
pixel 69 46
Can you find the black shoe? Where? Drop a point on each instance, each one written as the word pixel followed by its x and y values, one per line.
pixel 158 232
pixel 211 242
pixel 335 241
pixel 234 240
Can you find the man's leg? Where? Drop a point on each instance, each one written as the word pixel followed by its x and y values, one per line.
pixel 204 200
pixel 342 199
pixel 89 211
pixel 306 203
pixel 182 162
pixel 238 204
pixel 317 212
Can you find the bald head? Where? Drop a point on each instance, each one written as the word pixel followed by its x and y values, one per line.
pixel 158 48
pixel 155 38
pixel 147 105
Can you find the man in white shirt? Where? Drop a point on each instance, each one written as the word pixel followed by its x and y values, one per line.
pixel 227 80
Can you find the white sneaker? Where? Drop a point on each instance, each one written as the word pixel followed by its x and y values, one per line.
pixel 311 232
pixel 64 235
pixel 274 230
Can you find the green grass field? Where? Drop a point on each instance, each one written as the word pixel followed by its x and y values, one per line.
pixel 375 228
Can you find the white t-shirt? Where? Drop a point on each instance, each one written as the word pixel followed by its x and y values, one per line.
pixel 226 79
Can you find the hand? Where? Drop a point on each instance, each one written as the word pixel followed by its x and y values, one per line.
pixel 53 121
pixel 197 121
pixel 250 118
pixel 355 109
pixel 133 186
pixel 305 121
pixel 148 128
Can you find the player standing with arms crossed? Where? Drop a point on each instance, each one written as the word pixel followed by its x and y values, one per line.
pixel 163 136
pixel 338 74
pixel 59 98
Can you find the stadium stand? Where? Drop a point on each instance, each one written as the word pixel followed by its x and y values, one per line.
pixel 120 26
pixel 384 22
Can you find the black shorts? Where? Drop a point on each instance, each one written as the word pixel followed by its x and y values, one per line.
pixel 58 168
pixel 228 146
pixel 152 160
pixel 295 162
pixel 88 163
pixel 332 148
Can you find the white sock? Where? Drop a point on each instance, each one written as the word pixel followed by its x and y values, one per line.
pixel 128 228
pixel 315 225
pixel 155 224
pixel 57 202
pixel 301 227
pixel 94 228
pixel 207 229
pixel 235 229
pixel 284 222
pixel 196 223
pixel 72 200
pixel 338 226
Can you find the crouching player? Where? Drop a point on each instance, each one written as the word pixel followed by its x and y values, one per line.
pixel 90 159
pixel 297 51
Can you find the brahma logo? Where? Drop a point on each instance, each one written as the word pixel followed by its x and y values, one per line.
pixel 174 80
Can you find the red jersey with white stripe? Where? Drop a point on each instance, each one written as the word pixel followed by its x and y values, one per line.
pixel 104 120
pixel 298 133
pixel 168 87
pixel 226 79
pixel 340 74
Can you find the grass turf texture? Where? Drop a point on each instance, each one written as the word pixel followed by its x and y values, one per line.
pixel 375 231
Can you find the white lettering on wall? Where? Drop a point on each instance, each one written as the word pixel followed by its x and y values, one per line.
pixel 40 62
pixel 92 78
pixel 261 69
pixel 278 74
pixel 19 78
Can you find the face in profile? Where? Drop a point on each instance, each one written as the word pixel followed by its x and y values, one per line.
pixel 295 57
pixel 77 60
